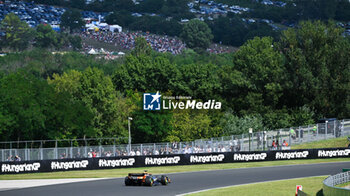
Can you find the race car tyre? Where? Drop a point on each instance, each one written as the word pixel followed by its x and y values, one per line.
pixel 148 181
pixel 164 180
pixel 128 182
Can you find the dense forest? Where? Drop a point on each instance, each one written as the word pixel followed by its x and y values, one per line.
pixel 268 83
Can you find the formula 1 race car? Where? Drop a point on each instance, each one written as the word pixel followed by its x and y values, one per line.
pixel 146 179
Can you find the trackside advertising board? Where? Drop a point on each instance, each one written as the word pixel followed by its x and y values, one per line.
pixel 165 160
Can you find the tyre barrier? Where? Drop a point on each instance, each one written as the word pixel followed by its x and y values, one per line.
pixel 166 160
pixel 329 185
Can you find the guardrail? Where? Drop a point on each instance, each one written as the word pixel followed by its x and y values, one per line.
pixel 329 185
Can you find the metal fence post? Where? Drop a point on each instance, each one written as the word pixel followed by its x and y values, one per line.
pixel 85 149
pixel 26 153
pixel 71 149
pixel 154 148
pixel 180 148
pixel 325 133
pixel 100 150
pixel 167 148
pixel 41 150
pixel 114 149
pixel 55 150
pixel 141 149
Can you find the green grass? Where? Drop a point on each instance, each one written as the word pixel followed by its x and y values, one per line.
pixel 112 173
pixel 343 185
pixel 311 186
pixel 341 142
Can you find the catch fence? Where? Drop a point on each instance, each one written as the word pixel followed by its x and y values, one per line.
pixel 330 185
pixel 115 147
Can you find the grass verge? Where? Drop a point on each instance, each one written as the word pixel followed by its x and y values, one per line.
pixel 113 173
pixel 311 186
pixel 341 142
pixel 343 185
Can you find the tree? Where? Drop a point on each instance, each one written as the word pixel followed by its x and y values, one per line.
pixel 188 125
pixel 45 36
pixel 342 13
pixel 17 33
pixel 199 81
pixel 144 73
pixel 263 68
pixel 177 9
pixel 122 18
pixel 157 25
pixel 234 125
pixel 147 126
pixel 62 40
pixel 151 6
pixel 78 4
pixel 141 47
pixel 30 109
pixel 98 94
pixel 317 62
pixel 72 20
pixel 112 5
pixel 197 35
pixel 75 41
pixel 230 31
pixel 150 126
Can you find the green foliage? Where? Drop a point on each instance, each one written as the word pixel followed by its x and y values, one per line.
pixel 317 58
pixel 43 63
pixel 122 18
pixel 157 25
pixel 144 73
pixel 197 35
pixel 299 10
pixel 233 31
pixel 264 85
pixel 72 20
pixel 199 81
pixel 32 110
pixel 75 42
pixel 141 47
pixel 151 6
pixel 188 125
pixel 177 9
pixel 263 75
pixel 17 33
pixel 78 4
pixel 234 125
pixel 45 36
pixel 98 95
pixel 148 126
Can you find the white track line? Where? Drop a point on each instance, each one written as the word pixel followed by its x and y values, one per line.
pixel 18 184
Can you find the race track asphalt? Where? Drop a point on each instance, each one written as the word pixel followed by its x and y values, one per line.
pixel 183 182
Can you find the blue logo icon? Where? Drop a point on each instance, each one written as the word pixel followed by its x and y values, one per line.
pixel 151 101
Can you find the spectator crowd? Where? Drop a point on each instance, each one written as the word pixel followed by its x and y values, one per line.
pixel 126 40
